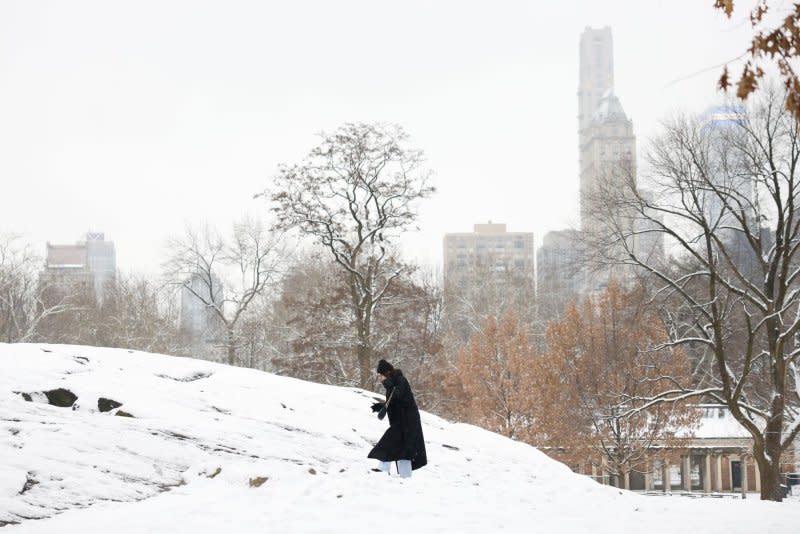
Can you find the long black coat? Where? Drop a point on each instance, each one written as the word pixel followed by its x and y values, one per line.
pixel 403 440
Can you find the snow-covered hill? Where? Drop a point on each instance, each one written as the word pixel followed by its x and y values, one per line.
pixel 209 448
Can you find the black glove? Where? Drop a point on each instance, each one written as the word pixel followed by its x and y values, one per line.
pixel 377 406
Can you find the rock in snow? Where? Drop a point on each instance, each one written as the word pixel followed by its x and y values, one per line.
pixel 212 448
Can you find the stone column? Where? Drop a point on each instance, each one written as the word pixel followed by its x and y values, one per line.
pixel 594 472
pixel 758 476
pixel 686 472
pixel 744 476
pixel 666 476
pixel 648 477
pixel 718 472
pixel 626 480
pixel 707 473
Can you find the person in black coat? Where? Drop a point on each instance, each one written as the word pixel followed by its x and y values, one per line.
pixel 403 442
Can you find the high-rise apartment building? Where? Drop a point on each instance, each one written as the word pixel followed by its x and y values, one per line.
pixel 85 268
pixel 489 271
pixel 101 257
pixel 720 124
pixel 489 251
pixel 199 321
pixel 559 271
pixel 722 127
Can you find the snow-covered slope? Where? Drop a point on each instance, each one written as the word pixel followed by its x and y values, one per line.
pixel 210 448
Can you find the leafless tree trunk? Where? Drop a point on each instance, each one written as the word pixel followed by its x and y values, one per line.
pixel 355 194
pixel 726 201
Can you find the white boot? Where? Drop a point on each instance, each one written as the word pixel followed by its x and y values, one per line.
pixel 404 468
pixel 385 467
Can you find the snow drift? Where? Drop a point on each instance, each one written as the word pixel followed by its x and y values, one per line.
pixel 101 440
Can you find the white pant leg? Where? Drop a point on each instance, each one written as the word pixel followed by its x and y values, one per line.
pixel 385 466
pixel 404 468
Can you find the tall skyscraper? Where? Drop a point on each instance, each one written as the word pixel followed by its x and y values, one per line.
pixel 101 257
pixel 596 75
pixel 607 156
pixel 607 144
pixel 721 124
pixel 733 197
pixel 199 321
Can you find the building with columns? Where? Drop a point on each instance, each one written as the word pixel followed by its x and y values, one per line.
pixel 715 457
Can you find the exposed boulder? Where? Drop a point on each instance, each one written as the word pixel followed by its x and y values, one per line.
pixel 30 482
pixel 61 397
pixel 106 405
pixel 258 481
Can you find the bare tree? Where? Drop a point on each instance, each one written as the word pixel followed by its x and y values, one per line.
pixel 23 303
pixel 726 200
pixel 313 309
pixel 225 275
pixel 488 292
pixel 314 312
pixel 138 313
pixel 355 194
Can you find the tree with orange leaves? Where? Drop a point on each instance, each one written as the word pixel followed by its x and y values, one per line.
pixel 495 373
pixel 605 351
pixel 778 42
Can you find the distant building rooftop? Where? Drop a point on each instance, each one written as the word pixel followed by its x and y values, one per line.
pixel 67 256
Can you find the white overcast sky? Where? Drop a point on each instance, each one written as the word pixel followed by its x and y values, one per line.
pixel 135 118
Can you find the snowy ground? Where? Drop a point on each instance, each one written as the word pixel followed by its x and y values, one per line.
pixel 84 471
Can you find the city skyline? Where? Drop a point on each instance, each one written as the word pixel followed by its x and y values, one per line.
pixel 137 141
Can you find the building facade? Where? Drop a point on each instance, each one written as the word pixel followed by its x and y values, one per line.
pixel 199 321
pixel 607 162
pixel 489 251
pixel 559 272
pixel 85 268
pixel 488 272
pixel 715 457
pixel 596 75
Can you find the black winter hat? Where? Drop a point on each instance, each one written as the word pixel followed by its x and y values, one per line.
pixel 384 367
